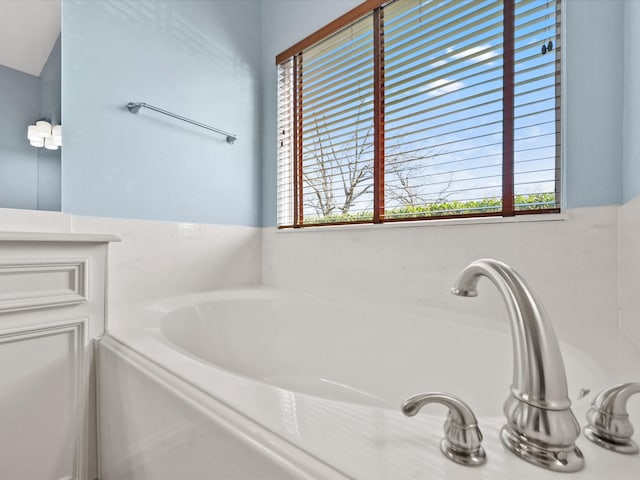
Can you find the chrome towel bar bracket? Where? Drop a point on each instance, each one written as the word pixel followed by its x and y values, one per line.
pixel 134 107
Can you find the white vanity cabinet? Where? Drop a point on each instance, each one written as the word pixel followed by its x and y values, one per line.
pixel 52 305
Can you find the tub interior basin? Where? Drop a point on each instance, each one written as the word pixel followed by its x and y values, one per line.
pixel 355 353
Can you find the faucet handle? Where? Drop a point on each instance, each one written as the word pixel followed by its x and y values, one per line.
pixel 609 425
pixel 462 440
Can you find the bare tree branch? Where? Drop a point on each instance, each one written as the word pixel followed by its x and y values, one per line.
pixel 335 179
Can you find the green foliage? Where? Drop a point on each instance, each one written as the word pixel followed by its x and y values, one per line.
pixel 534 201
pixel 340 218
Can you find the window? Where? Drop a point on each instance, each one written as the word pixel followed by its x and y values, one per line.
pixel 418 109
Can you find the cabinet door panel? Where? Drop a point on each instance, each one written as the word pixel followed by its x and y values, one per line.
pixel 40 415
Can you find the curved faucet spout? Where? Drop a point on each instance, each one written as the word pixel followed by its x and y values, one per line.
pixel 538 369
pixel 540 423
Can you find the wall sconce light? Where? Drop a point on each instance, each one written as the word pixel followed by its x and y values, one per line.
pixel 43 134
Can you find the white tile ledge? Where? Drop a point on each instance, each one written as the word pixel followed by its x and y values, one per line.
pixel 57 237
pixel 444 222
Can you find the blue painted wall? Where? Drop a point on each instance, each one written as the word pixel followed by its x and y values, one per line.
pixel 50 87
pixel 198 59
pixel 214 62
pixel 631 118
pixel 594 67
pixel 29 177
pixel 19 102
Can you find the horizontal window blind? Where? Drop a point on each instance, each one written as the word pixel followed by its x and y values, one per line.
pixel 443 108
pixel 537 107
pixel 337 126
pixel 423 109
pixel 286 122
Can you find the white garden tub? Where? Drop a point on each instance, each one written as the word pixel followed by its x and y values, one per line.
pixel 263 383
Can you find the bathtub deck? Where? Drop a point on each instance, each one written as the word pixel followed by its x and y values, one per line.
pixel 302 436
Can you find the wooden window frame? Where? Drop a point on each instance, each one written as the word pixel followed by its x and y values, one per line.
pixel 375 8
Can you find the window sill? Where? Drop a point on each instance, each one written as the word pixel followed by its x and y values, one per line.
pixel 445 222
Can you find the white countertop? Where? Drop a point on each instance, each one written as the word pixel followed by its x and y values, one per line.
pixel 57 237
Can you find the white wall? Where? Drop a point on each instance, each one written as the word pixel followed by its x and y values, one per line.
pixel 629 261
pixel 161 259
pixel 157 259
pixel 571 263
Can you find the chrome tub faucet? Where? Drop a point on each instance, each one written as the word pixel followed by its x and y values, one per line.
pixel 609 425
pixel 462 441
pixel 541 427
